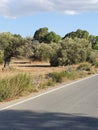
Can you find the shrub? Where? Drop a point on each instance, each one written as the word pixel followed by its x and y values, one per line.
pixel 84 66
pixel 96 46
pixel 48 83
pixel 61 76
pixel 72 51
pixel 1 57
pixel 58 76
pixel 65 75
pixel 14 86
pixel 91 57
pixel 96 64
pixel 1 60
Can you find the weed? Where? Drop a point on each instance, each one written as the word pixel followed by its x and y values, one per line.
pixel 84 66
pixel 96 64
pixel 14 86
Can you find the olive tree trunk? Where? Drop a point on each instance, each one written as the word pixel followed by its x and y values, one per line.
pixel 7 62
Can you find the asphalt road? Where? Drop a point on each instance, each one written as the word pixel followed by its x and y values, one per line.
pixel 72 107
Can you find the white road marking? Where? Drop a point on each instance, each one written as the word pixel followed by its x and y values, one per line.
pixel 55 89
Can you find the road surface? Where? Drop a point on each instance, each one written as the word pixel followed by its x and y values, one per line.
pixel 72 107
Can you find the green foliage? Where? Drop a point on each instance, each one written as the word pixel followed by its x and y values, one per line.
pixel 84 66
pixel 52 37
pixel 40 34
pixel 10 44
pixel 58 76
pixel 72 51
pixel 96 64
pixel 74 48
pixel 1 56
pixel 84 35
pixel 35 50
pixel 14 86
pixel 78 33
pixel 46 84
pixel 41 52
pixel 95 46
pixel 50 83
pixel 91 56
pixel 54 55
pixel 92 39
pixel 26 50
pixel 44 52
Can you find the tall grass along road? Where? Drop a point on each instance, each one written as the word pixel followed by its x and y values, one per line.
pixel 72 107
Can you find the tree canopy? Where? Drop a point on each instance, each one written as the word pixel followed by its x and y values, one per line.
pixel 10 44
pixel 75 47
pixel 42 35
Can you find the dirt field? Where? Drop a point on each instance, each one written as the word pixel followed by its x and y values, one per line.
pixel 34 68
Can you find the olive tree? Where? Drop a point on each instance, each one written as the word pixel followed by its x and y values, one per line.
pixel 10 44
pixel 40 34
pixel 72 51
pixel 52 37
pixel 41 52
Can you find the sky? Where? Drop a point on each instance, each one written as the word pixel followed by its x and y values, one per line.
pixel 24 17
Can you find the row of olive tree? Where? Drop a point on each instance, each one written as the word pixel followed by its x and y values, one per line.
pixel 69 51
pixel 14 45
pixel 74 48
pixel 42 35
pixel 84 35
pixel 73 52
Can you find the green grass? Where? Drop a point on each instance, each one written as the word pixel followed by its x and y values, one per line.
pixel 15 86
pixel 19 84
pixel 58 76
pixel 84 66
pixel 47 84
pixel 96 64
pixel 72 74
pixel 63 75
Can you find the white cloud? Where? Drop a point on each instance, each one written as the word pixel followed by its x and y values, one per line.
pixel 70 12
pixel 15 8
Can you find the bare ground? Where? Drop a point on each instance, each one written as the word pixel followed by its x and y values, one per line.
pixel 34 68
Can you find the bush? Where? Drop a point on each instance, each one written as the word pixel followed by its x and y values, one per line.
pixel 65 75
pixel 84 66
pixel 58 76
pixel 14 86
pixel 61 76
pixel 46 84
pixel 96 64
pixel 91 57
pixel 1 60
pixel 72 51
pixel 96 46
pixel 1 57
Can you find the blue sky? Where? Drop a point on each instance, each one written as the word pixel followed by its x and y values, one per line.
pixel 24 17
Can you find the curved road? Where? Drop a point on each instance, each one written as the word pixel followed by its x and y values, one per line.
pixel 71 107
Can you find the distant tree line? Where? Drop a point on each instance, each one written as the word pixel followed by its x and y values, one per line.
pixel 73 48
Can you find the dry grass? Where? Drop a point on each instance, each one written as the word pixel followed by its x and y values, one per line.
pixel 34 68
pixel 40 70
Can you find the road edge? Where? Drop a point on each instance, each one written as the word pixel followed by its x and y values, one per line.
pixel 44 93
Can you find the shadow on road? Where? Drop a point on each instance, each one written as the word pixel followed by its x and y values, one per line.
pixel 28 120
